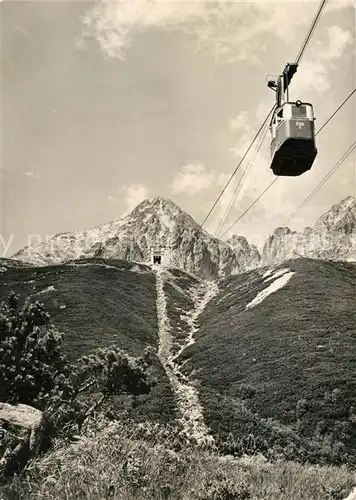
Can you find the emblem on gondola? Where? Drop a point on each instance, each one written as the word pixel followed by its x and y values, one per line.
pixel 300 125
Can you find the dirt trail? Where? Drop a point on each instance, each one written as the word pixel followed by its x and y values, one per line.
pixel 187 396
pixel 201 296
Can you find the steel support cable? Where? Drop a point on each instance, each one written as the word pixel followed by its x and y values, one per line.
pixel 310 32
pixel 239 185
pixel 299 56
pixel 276 179
pixel 336 110
pixel 234 172
pixel 322 182
pixel 249 208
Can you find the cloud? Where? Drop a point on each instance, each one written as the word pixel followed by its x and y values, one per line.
pixel 314 73
pixel 34 175
pixel 132 195
pixel 231 31
pixel 313 76
pixel 339 39
pixel 116 24
pixel 240 124
pixel 192 179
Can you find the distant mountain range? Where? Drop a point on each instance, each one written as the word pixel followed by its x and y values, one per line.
pixel 159 221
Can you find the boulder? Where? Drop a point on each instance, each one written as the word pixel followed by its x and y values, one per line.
pixel 22 430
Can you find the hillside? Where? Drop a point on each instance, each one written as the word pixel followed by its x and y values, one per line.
pixel 96 303
pixel 93 302
pixel 261 362
pixel 280 366
pixel 276 366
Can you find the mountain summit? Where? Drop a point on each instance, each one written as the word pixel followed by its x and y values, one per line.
pixel 160 222
pixel 154 222
pixel 332 237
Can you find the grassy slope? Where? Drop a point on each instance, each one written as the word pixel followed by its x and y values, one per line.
pixel 121 462
pixel 103 306
pixel 136 465
pixel 92 304
pixel 255 366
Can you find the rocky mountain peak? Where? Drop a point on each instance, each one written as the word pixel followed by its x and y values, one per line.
pixel 155 222
pixel 244 252
pixel 332 237
pixel 343 213
pixel 160 222
pixel 163 213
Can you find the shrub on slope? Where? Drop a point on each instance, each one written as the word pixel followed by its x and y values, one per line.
pixel 33 370
pixel 98 303
pixel 284 370
pixel 31 359
pixel 94 302
pixel 122 461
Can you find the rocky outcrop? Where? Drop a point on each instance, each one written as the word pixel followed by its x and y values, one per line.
pixel 22 430
pixel 153 222
pixel 248 255
pixel 160 222
pixel 333 237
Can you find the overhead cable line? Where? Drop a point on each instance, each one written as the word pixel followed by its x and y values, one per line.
pixel 336 110
pixel 298 58
pixel 234 172
pixel 276 179
pixel 252 204
pixel 239 184
pixel 322 182
pixel 310 32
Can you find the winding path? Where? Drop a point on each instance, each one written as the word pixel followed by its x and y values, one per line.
pixel 191 412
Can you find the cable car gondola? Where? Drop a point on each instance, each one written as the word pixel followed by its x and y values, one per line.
pixel 293 149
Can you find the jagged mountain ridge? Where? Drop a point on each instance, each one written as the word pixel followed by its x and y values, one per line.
pixel 160 221
pixel 153 222
pixel 333 237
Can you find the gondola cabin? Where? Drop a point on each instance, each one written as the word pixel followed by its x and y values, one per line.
pixel 293 148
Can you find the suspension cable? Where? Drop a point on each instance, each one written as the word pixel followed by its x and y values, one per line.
pixel 336 110
pixel 239 184
pixel 252 204
pixel 299 56
pixel 277 178
pixel 310 32
pixel 234 172
pixel 322 182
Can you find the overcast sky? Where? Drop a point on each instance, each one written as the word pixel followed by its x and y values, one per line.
pixel 105 104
